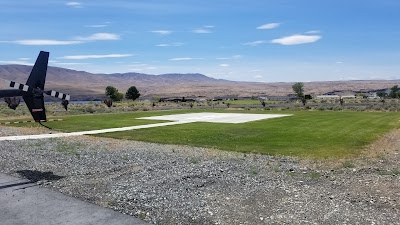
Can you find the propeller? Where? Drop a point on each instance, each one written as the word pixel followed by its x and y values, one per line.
pixel 36 91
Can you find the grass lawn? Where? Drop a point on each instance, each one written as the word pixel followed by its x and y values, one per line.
pixel 310 134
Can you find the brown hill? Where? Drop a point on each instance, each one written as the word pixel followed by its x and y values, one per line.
pixel 87 86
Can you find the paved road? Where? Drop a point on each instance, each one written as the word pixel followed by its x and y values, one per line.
pixel 24 203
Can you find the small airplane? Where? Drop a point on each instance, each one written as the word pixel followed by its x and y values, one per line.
pixel 32 92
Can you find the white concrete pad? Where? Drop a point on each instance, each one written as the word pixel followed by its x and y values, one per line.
pixel 176 119
pixel 216 117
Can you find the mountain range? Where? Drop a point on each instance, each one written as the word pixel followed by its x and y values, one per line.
pixel 88 86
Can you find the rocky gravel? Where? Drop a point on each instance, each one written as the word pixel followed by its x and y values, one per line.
pixel 170 184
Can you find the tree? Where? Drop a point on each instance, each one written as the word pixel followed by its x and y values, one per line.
pixel 132 93
pixel 298 88
pixel 113 93
pixel 110 91
pixel 394 91
pixel 118 97
pixel 382 95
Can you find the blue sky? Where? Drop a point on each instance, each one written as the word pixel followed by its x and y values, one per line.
pixel 244 40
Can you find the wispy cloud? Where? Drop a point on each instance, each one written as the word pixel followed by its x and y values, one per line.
pixel 99 37
pixel 231 57
pixel 77 40
pixel 74 4
pixel 255 43
pixel 170 45
pixel 296 39
pixel 268 26
pixel 16 62
pixel 162 32
pixel 95 56
pixel 44 42
pixel 313 32
pixel 24 59
pixel 224 65
pixel 183 59
pixel 97 25
pixel 69 64
pixel 202 31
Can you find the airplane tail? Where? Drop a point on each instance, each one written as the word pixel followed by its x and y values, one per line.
pixel 36 80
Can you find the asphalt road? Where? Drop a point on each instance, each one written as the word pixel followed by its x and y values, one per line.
pixel 22 202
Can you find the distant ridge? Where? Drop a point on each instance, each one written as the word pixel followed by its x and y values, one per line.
pixel 88 86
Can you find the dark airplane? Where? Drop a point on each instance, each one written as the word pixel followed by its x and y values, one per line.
pixel 32 92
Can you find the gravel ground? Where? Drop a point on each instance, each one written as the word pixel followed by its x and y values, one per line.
pixel 169 184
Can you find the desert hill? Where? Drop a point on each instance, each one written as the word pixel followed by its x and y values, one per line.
pixel 87 86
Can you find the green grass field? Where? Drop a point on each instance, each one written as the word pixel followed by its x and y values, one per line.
pixel 309 134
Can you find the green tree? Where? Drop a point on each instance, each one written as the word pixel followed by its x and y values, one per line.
pixel 118 97
pixel 298 88
pixel 382 96
pixel 110 91
pixel 394 91
pixel 113 93
pixel 132 93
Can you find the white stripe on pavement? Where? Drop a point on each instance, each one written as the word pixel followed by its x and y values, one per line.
pixel 43 136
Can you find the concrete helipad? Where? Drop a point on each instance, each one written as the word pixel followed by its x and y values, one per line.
pixel 176 119
pixel 216 117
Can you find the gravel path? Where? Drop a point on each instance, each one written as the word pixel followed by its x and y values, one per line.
pixel 169 184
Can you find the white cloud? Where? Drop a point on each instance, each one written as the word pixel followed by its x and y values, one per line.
pixel 339 62
pixel 224 65
pixel 183 59
pixel 209 26
pixel 100 37
pixel 231 57
pixel 162 32
pixel 78 40
pixel 202 31
pixel 74 4
pixel 258 76
pixel 268 26
pixel 16 62
pixel 255 43
pixel 96 56
pixel 313 32
pixel 170 45
pixel 45 42
pixel 24 59
pixel 296 39
pixel 70 64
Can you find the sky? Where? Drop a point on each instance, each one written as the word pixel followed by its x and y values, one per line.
pixel 241 40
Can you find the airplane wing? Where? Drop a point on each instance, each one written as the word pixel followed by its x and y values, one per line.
pixel 36 106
